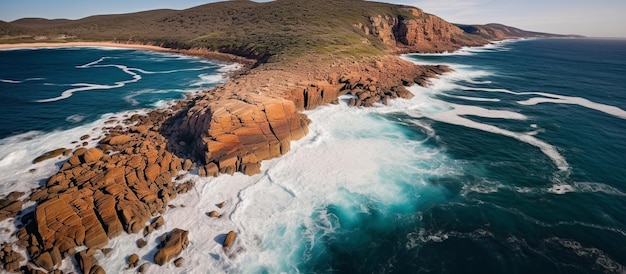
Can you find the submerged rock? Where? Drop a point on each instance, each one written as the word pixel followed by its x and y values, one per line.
pixel 49 155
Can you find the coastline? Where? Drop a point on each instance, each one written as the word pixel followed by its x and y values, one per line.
pixel 197 52
pixel 81 44
pixel 369 81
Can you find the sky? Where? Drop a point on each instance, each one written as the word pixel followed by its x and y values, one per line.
pixel 600 18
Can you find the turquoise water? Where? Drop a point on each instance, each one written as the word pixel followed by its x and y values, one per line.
pixel 57 89
pixel 514 163
pixel 49 98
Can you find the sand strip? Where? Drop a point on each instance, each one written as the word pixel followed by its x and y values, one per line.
pixel 82 44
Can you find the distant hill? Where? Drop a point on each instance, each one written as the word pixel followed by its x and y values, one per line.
pixel 499 31
pixel 10 29
pixel 277 29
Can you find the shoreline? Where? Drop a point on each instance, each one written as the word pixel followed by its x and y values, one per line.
pixel 276 94
pixel 38 45
pixel 197 52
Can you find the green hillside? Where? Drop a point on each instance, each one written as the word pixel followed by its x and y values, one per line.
pixel 264 31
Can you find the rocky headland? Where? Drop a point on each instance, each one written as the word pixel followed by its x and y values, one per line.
pixel 126 182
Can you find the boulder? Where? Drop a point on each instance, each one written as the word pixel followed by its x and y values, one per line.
pixel 152 172
pixel 141 243
pixel 133 261
pixel 179 262
pixel 10 207
pixel 230 239
pixel 49 155
pixel 45 261
pixel 92 155
pixel 119 140
pixel 9 259
pixel 85 261
pixel 187 164
pixel 96 269
pixel 176 242
pixel 144 268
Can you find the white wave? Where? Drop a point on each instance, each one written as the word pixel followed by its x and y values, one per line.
pixel 86 87
pixel 77 118
pixel 208 79
pixel 172 71
pixel 469 51
pixel 130 98
pixel 17 153
pixel 230 68
pixel 560 99
pixel 478 82
pixel 205 79
pixel 585 187
pixel 468 98
pixel 162 104
pixel 423 105
pixel 10 81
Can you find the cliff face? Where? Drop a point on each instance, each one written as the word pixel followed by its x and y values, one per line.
pixel 233 135
pixel 420 32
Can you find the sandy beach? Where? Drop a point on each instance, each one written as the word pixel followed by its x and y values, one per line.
pixel 82 44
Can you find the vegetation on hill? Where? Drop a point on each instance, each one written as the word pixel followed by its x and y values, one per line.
pixel 278 29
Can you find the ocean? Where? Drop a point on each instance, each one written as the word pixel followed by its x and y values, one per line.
pixel 51 97
pixel 512 163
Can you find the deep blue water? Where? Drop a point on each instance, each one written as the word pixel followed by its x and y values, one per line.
pixel 533 179
pixel 513 163
pixel 95 80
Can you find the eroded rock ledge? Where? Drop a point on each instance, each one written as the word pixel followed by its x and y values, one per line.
pixel 129 178
pixel 236 126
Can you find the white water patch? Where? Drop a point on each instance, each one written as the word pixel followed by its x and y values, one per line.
pixel 208 79
pixel 559 99
pixel 469 51
pixel 130 98
pixel 424 104
pixel 17 153
pixel 585 187
pixel 76 118
pixel 486 187
pixel 349 153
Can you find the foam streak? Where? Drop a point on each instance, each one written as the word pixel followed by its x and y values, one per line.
pixel 560 99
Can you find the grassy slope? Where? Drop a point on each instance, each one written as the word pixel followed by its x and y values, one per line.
pixel 273 31
pixel 283 27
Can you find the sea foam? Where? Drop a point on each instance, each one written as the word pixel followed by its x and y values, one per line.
pixel 425 104
pixel 351 158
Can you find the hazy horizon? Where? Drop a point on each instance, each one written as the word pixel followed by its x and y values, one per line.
pixel 577 17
